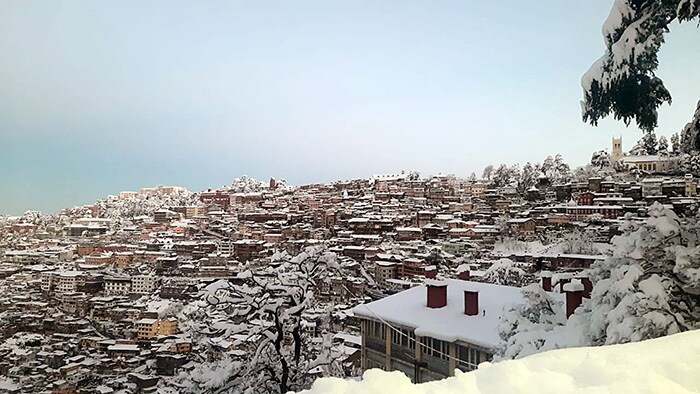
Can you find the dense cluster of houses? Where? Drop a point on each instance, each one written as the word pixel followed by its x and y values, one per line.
pixel 81 301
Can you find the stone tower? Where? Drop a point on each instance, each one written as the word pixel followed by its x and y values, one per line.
pixel 616 148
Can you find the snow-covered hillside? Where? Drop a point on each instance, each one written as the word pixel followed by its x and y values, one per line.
pixel 662 365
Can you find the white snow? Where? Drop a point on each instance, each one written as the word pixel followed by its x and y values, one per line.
pixel 662 365
pixel 408 309
pixel 7 385
pixel 574 285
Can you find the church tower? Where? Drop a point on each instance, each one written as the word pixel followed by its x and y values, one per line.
pixel 616 148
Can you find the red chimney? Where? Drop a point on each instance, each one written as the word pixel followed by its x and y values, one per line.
pixel 587 286
pixel 546 280
pixel 437 293
pixel 430 272
pixel 464 275
pixel 471 303
pixel 574 296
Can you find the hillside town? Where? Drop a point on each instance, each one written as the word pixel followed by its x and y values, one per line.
pixel 166 290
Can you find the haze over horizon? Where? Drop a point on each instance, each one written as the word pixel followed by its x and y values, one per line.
pixel 96 98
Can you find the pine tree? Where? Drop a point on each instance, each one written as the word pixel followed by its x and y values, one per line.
pixel 675 143
pixel 639 149
pixel 650 144
pixel 562 171
pixel 649 287
pixel 690 135
pixel 663 146
pixel 690 164
pixel 623 82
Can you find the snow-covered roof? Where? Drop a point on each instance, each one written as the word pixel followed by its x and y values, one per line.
pixel 408 308
pixel 123 347
pixel 643 158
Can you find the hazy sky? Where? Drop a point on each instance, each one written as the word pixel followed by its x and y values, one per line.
pixel 102 96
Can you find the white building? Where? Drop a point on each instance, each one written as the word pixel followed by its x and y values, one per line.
pixel 62 282
pixel 143 284
pixel 650 163
pixel 117 285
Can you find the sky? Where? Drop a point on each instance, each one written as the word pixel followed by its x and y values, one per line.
pixel 97 97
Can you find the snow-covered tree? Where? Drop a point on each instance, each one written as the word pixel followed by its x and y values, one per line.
pixel 577 242
pixel 650 286
pixel 271 308
pixel 472 177
pixel 561 172
pixel 690 135
pixel 413 176
pixel 623 82
pixel 246 184
pixel 488 172
pixel 525 327
pixel 638 149
pixel 690 164
pixel 675 143
pixel 650 143
pixel 663 146
pixel 581 174
pixel 527 179
pixel 436 257
pixel 600 159
pixel 504 175
pixel 547 166
pixel 506 272
pixel 142 204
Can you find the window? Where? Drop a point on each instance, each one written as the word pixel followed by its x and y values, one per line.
pixel 404 338
pixel 376 329
pixel 435 348
pixel 469 358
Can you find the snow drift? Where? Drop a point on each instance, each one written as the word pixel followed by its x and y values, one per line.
pixel 662 365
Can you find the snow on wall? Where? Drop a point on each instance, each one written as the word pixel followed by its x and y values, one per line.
pixel 662 365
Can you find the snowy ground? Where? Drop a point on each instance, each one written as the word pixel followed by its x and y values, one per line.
pixel 663 365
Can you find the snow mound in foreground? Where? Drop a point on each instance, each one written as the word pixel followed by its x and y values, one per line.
pixel 662 365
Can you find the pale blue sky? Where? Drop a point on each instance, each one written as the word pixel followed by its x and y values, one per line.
pixel 102 96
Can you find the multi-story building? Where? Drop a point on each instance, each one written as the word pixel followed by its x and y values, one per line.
pixel 147 329
pixel 143 284
pixel 117 285
pixel 429 331
pixel 62 282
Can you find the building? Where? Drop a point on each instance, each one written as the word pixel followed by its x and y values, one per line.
pixel 616 148
pixel 429 331
pixel 143 284
pixel 580 212
pixel 117 285
pixel 691 186
pixel 147 329
pixel 384 270
pixel 521 226
pixel 652 187
pixel 650 163
pixel 62 282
